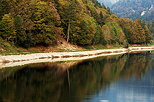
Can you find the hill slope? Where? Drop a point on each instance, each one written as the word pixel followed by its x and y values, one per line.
pixel 143 9
pixel 31 23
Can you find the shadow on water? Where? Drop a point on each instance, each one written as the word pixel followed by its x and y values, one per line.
pixel 73 81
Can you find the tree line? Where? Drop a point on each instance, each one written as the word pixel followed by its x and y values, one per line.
pixel 28 23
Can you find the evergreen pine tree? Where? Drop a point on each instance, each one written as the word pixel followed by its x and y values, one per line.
pixel 21 34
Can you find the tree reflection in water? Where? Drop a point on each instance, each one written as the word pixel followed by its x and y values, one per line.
pixel 70 81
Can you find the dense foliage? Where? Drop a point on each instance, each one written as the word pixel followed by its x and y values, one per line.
pixel 28 23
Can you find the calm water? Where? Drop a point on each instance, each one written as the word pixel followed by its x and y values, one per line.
pixel 123 78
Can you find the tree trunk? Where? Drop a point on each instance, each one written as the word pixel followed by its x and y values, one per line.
pixel 68 31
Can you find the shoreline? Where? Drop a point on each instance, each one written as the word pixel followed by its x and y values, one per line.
pixel 19 60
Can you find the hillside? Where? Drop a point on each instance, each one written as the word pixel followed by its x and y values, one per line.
pixel 32 23
pixel 143 9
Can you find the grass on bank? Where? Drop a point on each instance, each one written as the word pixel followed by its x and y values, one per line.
pixel 10 49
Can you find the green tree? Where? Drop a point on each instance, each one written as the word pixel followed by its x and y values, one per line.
pixel 88 30
pixel 117 33
pixel 68 13
pixel 7 28
pixel 21 34
pixel 20 10
pixel 102 19
pixel 148 34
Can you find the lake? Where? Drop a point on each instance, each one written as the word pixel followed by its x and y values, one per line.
pixel 120 78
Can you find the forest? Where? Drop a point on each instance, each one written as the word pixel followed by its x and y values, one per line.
pixel 29 23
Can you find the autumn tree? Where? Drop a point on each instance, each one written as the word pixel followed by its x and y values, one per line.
pixel 106 35
pixel 45 24
pixel 4 7
pixel 22 8
pixel 138 35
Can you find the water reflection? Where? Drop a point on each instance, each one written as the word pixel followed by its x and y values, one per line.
pixel 123 78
